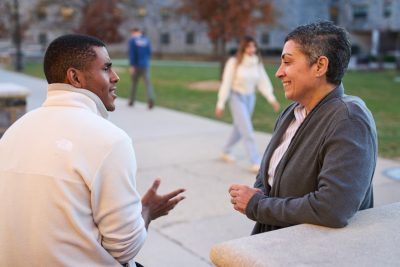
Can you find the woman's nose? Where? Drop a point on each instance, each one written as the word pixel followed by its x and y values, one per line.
pixel 279 72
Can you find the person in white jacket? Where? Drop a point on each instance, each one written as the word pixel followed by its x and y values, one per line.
pixel 242 75
pixel 67 174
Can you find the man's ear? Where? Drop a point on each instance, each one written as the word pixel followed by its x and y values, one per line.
pixel 74 77
pixel 322 66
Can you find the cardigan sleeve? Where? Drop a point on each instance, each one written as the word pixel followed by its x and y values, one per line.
pixel 347 159
pixel 264 84
pixel 227 80
pixel 117 205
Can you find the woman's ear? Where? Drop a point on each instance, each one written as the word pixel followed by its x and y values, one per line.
pixel 74 77
pixel 322 66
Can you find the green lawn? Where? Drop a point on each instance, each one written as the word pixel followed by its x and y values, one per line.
pixel 377 89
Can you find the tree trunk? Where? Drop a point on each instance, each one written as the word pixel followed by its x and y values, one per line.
pixel 397 53
pixel 17 38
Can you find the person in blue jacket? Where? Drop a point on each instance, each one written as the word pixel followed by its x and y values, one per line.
pixel 139 60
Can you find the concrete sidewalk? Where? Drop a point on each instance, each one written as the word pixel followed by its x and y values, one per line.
pixel 183 150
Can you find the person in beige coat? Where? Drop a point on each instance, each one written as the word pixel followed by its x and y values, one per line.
pixel 243 74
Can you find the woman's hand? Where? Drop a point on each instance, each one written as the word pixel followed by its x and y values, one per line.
pixel 219 112
pixel 241 195
pixel 276 106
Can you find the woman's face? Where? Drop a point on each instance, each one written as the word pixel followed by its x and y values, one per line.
pixel 250 49
pixel 297 76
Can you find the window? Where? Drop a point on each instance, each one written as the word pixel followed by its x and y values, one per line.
pixel 334 14
pixel 165 13
pixel 42 38
pixel 141 12
pixel 265 38
pixel 360 12
pixel 387 8
pixel 165 38
pixel 67 12
pixel 41 12
pixel 190 38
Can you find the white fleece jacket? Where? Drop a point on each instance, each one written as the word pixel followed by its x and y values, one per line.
pixel 244 79
pixel 67 186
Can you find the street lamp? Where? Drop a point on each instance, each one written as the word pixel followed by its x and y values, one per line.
pixel 17 37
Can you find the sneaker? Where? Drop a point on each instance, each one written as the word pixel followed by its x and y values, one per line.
pixel 254 168
pixel 227 158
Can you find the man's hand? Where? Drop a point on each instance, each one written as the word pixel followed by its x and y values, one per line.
pixel 155 206
pixel 131 70
pixel 241 195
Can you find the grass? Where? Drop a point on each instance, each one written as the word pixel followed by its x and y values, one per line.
pixel 377 89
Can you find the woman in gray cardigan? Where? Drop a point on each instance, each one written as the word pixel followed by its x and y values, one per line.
pixel 319 165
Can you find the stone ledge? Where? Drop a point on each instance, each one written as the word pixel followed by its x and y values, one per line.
pixel 12 104
pixel 8 90
pixel 372 238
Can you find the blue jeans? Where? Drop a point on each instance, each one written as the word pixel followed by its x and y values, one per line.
pixel 242 107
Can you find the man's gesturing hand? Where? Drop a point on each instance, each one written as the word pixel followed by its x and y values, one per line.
pixel 241 195
pixel 155 206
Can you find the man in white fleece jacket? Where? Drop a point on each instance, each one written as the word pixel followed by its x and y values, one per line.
pixel 67 175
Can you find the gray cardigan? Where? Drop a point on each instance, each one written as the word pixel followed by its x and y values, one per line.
pixel 325 176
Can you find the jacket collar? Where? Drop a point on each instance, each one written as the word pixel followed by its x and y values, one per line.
pixel 67 95
pixel 283 122
pixel 335 93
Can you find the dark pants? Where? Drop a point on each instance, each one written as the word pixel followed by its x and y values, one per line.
pixel 141 72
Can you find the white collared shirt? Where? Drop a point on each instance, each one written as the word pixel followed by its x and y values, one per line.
pixel 300 114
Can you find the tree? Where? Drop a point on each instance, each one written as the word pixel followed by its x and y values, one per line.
pixel 397 54
pixel 17 37
pixel 227 19
pixel 5 19
pixel 102 18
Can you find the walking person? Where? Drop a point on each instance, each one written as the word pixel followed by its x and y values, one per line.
pixel 139 49
pixel 242 75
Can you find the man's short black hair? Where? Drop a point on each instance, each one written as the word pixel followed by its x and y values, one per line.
pixel 68 51
pixel 323 38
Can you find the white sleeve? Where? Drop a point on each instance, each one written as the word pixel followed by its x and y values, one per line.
pixel 116 205
pixel 227 80
pixel 264 84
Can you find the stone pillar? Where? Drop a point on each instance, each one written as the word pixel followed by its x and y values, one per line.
pixel 12 104
pixel 375 42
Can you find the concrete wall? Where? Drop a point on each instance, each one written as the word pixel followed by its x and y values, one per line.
pixel 371 239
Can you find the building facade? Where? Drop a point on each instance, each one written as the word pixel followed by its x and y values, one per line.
pixel 374 24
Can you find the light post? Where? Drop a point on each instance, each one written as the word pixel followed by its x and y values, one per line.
pixel 17 37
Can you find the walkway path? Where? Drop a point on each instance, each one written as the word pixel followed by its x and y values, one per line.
pixel 183 149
